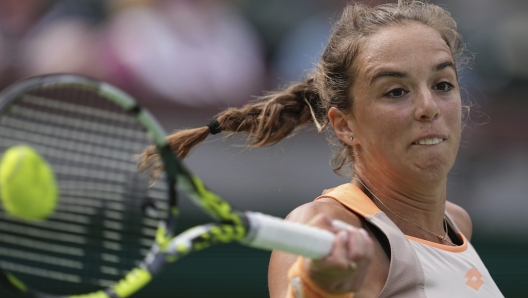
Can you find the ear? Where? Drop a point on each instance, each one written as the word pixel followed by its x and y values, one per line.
pixel 343 126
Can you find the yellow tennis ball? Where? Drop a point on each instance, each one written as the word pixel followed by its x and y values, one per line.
pixel 27 184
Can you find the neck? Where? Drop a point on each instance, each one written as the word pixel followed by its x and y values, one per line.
pixel 417 211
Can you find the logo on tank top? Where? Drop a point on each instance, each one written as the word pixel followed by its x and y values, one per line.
pixel 474 279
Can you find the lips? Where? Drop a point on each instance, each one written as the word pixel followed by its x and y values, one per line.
pixel 429 141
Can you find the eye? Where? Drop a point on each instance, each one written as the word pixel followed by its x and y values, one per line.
pixel 398 92
pixel 443 86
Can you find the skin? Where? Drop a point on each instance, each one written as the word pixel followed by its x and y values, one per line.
pixel 398 100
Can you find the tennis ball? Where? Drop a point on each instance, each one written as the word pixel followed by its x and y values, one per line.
pixel 27 184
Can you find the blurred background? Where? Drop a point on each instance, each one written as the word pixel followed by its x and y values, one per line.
pixel 186 60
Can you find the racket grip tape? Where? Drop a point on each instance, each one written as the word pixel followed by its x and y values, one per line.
pixel 273 233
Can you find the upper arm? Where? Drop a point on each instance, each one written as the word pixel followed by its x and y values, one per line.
pixel 461 218
pixel 281 262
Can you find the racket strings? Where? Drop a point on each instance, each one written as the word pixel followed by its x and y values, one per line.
pixel 98 230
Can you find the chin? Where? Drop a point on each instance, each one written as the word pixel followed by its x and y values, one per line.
pixel 433 168
pixel 434 164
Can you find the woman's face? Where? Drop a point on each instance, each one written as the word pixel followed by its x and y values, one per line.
pixel 406 117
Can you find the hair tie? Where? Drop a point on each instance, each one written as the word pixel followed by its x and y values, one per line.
pixel 214 127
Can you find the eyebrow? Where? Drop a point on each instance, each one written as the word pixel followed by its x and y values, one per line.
pixel 388 73
pixel 443 65
pixel 402 74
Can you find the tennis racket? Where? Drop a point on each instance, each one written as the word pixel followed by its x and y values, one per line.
pixel 112 230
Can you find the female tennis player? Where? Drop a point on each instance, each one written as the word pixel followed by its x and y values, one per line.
pixel 387 84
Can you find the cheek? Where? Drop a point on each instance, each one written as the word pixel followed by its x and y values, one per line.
pixel 453 113
pixel 383 127
pixel 387 121
pixel 453 118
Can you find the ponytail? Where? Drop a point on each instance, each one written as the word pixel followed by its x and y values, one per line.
pixel 265 121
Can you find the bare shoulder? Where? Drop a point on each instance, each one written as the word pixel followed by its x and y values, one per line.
pixel 327 207
pixel 461 218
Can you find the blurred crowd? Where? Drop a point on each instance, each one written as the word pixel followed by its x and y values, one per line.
pixel 219 52
pixel 194 52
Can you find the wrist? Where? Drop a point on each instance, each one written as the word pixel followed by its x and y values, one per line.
pixel 301 285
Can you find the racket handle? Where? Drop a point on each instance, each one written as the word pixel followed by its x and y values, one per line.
pixel 268 232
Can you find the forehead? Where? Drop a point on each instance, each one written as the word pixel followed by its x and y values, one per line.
pixel 404 46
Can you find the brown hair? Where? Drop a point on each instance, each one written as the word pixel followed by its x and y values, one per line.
pixel 275 116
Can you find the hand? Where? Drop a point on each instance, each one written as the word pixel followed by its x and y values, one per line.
pixel 345 268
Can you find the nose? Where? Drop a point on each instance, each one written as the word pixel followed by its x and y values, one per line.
pixel 426 106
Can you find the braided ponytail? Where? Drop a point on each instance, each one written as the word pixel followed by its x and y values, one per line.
pixel 265 121
pixel 274 116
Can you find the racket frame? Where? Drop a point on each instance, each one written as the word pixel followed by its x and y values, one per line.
pixel 249 228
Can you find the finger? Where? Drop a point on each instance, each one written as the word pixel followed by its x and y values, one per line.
pixel 362 237
pixel 354 244
pixel 359 247
pixel 339 248
pixel 364 233
pixel 347 250
pixel 341 225
pixel 340 243
pixel 349 240
pixel 337 255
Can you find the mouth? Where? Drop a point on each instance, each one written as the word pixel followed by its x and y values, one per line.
pixel 429 141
